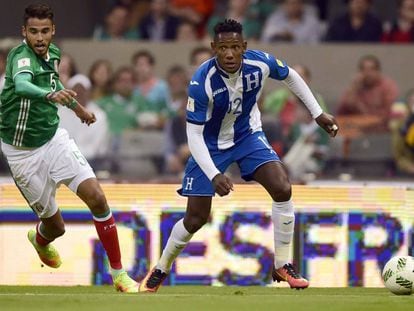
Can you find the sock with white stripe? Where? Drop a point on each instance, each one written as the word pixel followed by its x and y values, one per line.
pixel 108 234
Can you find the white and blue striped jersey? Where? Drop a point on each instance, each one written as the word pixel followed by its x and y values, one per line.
pixel 226 104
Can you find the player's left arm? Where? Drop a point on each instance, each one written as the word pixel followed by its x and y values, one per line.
pixel 299 87
pixel 279 70
pixel 83 114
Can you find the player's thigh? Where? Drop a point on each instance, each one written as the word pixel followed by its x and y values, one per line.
pixel 197 213
pixel 253 153
pixel 68 166
pixel 274 178
pixel 32 179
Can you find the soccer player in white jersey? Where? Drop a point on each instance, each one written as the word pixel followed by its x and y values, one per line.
pixel 40 155
pixel 223 126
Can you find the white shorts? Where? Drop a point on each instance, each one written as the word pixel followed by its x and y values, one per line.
pixel 39 171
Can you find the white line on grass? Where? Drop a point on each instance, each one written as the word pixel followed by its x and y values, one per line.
pixel 189 295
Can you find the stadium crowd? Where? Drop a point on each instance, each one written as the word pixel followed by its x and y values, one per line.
pixel 140 132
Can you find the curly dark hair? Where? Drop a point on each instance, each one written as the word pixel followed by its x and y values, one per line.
pixel 37 10
pixel 229 25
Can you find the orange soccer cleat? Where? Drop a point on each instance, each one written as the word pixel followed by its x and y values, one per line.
pixel 287 273
pixel 152 281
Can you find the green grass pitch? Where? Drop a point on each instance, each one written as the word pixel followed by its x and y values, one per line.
pixel 183 298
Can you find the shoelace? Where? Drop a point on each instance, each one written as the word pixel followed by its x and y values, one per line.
pixel 290 269
pixel 156 278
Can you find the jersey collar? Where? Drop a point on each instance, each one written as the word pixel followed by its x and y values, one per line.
pixel 226 74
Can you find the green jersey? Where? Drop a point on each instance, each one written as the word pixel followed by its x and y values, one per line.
pixel 29 122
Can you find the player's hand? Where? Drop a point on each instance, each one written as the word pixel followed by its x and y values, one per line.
pixel 222 184
pixel 63 97
pixel 328 123
pixel 85 116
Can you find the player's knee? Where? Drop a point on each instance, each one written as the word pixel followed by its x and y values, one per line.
pixel 283 192
pixel 193 224
pixel 97 202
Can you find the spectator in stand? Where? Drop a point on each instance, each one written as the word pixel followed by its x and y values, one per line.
pixel 241 11
pixel 177 80
pixel 153 89
pixel 100 75
pixel 121 108
pixel 403 138
pixel 307 148
pixel 358 24
pixel 67 68
pixel 282 103
pixel 158 24
pixel 176 151
pixel 93 142
pixel 293 22
pixel 402 29
pixel 186 32
pixel 137 10
pixel 198 56
pixel 116 26
pixel 3 58
pixel 370 94
pixel 194 11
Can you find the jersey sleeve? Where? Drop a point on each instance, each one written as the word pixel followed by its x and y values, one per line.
pixel 198 100
pixel 278 69
pixel 22 62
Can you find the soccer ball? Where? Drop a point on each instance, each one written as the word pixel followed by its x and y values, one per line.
pixel 398 275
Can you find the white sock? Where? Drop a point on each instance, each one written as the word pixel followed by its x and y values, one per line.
pixel 116 272
pixel 283 219
pixel 178 239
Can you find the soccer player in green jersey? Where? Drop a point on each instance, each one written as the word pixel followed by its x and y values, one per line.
pixel 40 155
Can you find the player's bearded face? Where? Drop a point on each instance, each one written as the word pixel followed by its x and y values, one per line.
pixel 38 34
pixel 229 48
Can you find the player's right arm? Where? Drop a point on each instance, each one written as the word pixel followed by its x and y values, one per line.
pixel 197 116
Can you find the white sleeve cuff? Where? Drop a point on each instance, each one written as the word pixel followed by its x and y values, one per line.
pixel 296 84
pixel 199 150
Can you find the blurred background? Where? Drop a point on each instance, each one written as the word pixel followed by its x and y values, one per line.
pixel 130 62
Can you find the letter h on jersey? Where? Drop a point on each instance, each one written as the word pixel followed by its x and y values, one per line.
pixel 252 83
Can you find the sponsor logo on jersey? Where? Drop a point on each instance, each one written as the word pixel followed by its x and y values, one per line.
pixel 194 82
pixel 218 91
pixel 24 62
pixel 280 63
pixel 190 104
